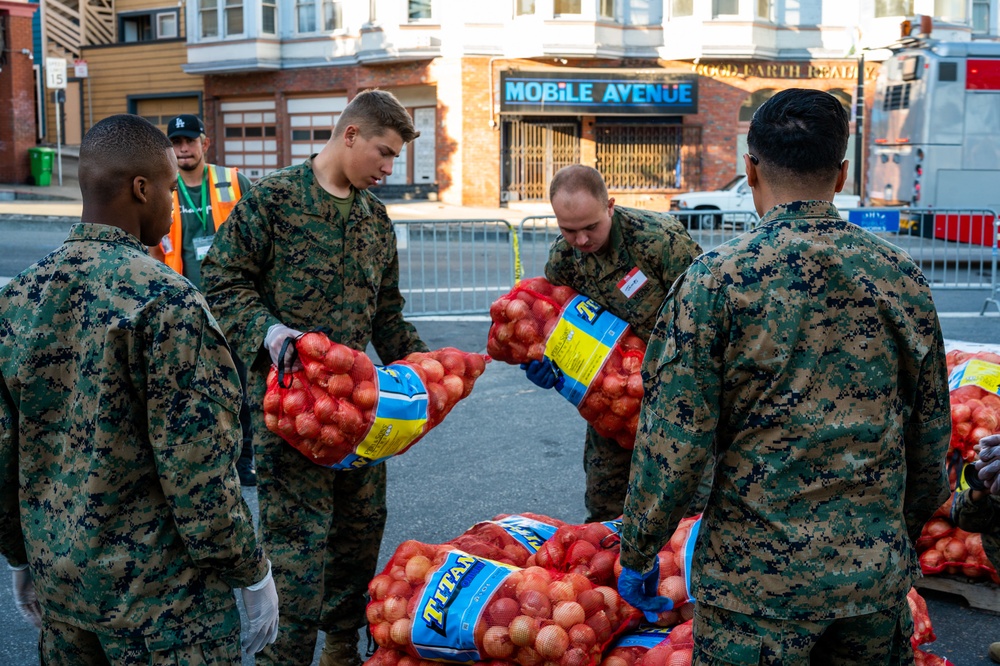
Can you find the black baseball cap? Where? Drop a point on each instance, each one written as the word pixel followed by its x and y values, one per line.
pixel 185 125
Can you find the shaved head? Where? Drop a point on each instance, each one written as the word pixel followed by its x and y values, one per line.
pixel 117 149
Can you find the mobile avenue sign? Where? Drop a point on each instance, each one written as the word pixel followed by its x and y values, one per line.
pixel 597 92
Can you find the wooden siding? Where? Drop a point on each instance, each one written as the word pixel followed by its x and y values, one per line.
pixel 115 72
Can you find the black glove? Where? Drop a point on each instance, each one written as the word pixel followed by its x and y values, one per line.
pixel 969 479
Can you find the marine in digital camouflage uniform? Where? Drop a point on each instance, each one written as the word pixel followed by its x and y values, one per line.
pixel 806 358
pixel 656 244
pixel 119 432
pixel 288 256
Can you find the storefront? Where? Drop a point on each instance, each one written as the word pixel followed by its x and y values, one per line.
pixel 629 124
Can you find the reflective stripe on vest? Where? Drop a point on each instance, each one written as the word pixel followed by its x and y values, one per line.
pixel 223 193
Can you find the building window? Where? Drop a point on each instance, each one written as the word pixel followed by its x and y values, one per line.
pixel 268 18
pixel 884 8
pixel 234 17
pixel 208 18
pixel 608 9
pixel 950 10
pixel 419 10
pixel 524 7
pixel 566 7
pixel 305 16
pixel 764 9
pixel 213 13
pixel 981 15
pixel 725 8
pixel 147 26
pixel 681 8
pixel 332 16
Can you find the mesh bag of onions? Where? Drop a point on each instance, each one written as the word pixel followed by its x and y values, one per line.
pixel 437 602
pixel 675 572
pixel 653 646
pixel 511 539
pixel 975 405
pixel 343 411
pixel 590 549
pixel 597 355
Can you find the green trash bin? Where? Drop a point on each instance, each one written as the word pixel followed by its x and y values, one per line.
pixel 41 165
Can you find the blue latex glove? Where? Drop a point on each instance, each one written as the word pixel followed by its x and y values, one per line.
pixel 640 591
pixel 544 374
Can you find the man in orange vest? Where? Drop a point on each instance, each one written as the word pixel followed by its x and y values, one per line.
pixel 205 196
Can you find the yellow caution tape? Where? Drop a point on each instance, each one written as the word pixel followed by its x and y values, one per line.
pixel 518 267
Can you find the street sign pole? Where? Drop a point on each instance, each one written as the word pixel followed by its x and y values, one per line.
pixel 55 94
pixel 55 80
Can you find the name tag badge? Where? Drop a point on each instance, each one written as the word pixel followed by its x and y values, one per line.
pixel 632 282
pixel 202 245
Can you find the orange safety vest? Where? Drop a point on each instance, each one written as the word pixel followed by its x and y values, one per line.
pixel 223 193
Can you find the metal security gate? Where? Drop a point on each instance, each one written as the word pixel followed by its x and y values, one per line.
pixel 532 152
pixel 655 157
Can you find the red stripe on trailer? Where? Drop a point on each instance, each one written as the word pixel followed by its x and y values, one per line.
pixel 982 74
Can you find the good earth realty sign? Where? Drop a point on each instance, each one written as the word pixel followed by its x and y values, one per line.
pixel 598 92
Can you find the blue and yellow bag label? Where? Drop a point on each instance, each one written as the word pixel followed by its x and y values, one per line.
pixel 975 372
pixel 400 416
pixel 646 636
pixel 451 604
pixel 528 532
pixel 580 344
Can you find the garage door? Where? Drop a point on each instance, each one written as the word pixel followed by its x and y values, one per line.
pixel 159 111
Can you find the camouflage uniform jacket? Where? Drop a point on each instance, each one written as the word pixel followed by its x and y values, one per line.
pixel 982 517
pixel 285 255
pixel 655 243
pixel 118 438
pixel 808 357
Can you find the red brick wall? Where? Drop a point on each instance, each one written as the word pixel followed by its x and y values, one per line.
pixel 306 81
pixel 17 95
pixel 480 143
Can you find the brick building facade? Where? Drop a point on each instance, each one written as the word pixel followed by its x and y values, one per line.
pixel 17 86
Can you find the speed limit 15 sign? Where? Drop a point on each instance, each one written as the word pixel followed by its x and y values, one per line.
pixel 55 73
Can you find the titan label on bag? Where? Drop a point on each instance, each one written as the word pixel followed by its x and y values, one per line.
pixel 580 344
pixel 646 636
pixel 400 416
pixel 451 604
pixel 528 532
pixel 975 372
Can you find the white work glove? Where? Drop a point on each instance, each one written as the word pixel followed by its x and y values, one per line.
pixel 24 596
pixel 261 603
pixel 273 342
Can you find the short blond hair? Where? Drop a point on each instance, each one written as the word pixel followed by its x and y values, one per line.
pixel 579 178
pixel 373 112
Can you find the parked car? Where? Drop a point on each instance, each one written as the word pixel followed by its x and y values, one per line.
pixel 734 196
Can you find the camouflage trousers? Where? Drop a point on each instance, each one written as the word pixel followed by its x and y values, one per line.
pixel 875 639
pixel 322 530
pixel 212 643
pixel 606 466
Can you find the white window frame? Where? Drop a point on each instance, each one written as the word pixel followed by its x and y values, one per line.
pixel 161 33
pixel 420 19
pixel 273 6
pixel 221 10
pixel 555 12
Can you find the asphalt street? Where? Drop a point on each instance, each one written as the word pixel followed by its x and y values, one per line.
pixel 509 448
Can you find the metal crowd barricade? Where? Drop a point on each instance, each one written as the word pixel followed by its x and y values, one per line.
pixel 955 248
pixel 453 267
pixel 708 228
pixel 459 267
